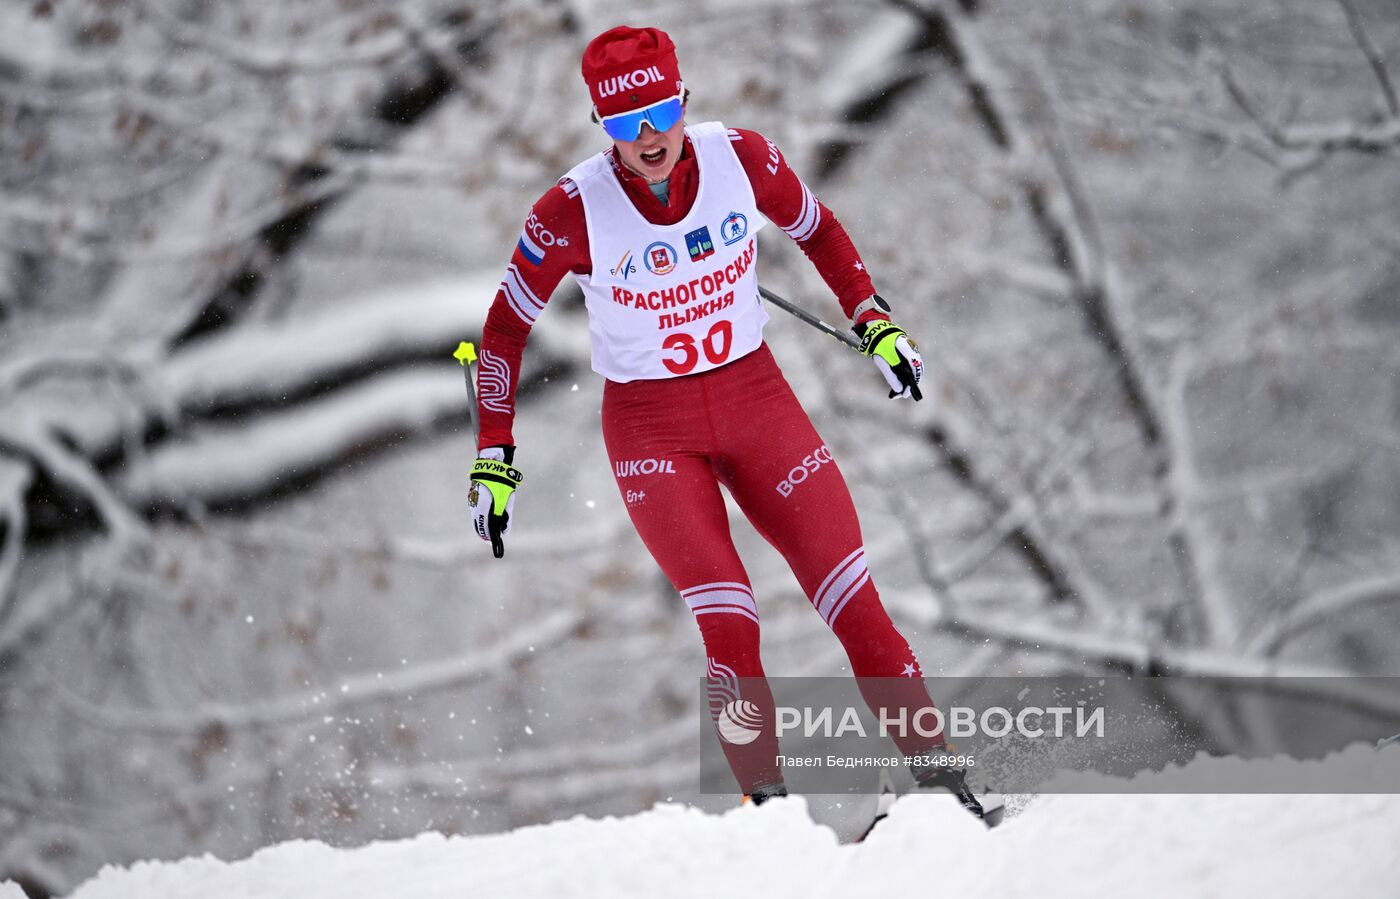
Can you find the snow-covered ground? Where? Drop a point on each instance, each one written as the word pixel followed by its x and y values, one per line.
pixel 1136 845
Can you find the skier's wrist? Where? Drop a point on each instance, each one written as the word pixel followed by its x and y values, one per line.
pixel 503 453
pixel 870 316
pixel 872 308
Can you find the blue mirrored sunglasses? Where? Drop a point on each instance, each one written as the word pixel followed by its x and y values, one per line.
pixel 662 116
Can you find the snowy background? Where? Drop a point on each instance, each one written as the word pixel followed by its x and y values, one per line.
pixel 1150 249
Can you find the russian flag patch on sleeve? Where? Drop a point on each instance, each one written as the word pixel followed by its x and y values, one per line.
pixel 536 240
pixel 533 252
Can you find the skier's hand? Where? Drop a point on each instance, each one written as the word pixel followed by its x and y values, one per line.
pixel 492 495
pixel 895 355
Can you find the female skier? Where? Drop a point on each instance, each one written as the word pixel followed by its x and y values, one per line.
pixel 659 231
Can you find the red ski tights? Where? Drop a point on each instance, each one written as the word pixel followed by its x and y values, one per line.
pixel 672 444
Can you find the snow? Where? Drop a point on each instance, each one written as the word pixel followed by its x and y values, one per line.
pixel 1143 845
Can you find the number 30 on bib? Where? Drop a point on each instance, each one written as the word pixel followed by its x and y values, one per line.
pixel 715 344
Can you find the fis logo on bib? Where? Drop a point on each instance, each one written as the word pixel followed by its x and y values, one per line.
pixel 633 467
pixel 660 258
pixel 625 267
pixel 734 227
pixel 699 244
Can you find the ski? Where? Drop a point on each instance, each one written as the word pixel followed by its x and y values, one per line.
pixel 883 803
pixel 989 808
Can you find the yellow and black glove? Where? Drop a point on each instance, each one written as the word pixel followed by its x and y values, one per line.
pixel 492 495
pixel 895 354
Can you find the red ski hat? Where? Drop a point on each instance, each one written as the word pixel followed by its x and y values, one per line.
pixel 627 68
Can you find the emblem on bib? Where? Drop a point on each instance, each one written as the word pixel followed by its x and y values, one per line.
pixel 661 258
pixel 625 267
pixel 734 227
pixel 699 244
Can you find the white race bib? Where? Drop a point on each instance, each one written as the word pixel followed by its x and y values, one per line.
pixel 671 300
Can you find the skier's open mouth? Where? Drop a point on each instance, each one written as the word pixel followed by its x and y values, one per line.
pixel 654 158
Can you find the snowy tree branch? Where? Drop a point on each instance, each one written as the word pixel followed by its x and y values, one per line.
pixel 444 674
pixel 16 476
pixel 95 244
pixel 29 367
pixel 264 363
pixel 441 553
pixel 90 574
pixel 640 748
pixel 1065 219
pixel 1141 655
pixel 260 371
pixel 1322 608
pixel 1373 56
pixel 218 465
pixel 70 469
pixel 1297 149
pixel 949 436
pixel 387 43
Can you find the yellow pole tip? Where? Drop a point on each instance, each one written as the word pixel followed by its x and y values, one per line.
pixel 466 353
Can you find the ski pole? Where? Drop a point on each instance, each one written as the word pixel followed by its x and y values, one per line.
pixel 465 356
pixel 840 334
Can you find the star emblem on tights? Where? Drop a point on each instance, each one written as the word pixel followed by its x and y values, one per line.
pixel 860 266
pixel 910 669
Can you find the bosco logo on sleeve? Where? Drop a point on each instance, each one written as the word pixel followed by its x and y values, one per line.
pixel 536 240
